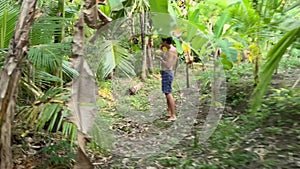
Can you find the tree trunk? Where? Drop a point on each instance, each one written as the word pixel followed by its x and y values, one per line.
pixel 187 75
pixel 150 51
pixel 144 45
pixel 150 48
pixel 256 70
pixel 92 14
pixel 215 76
pixel 10 76
pixel 59 34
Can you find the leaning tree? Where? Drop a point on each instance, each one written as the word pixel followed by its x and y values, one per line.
pixel 10 76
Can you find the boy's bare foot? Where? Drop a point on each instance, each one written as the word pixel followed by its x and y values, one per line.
pixel 172 118
pixel 168 114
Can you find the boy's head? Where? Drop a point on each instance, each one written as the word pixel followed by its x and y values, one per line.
pixel 167 40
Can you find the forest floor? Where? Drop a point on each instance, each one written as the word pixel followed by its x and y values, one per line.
pixel 135 133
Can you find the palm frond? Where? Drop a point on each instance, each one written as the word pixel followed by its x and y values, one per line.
pixel 70 72
pixel 32 90
pixel 49 57
pixel 244 18
pixel 43 77
pixel 49 112
pixel 8 18
pixel 108 55
pixel 273 58
pixel 69 130
pixel 46 28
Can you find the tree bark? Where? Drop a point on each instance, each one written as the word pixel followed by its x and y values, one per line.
pixel 10 76
pixel 92 14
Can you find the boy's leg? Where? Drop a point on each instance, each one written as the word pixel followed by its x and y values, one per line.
pixel 168 107
pixel 171 106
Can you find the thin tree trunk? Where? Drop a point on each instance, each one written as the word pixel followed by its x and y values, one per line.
pixel 10 76
pixel 215 76
pixel 92 14
pixel 150 51
pixel 256 70
pixel 187 75
pixel 59 34
pixel 256 65
pixel 144 47
pixel 150 48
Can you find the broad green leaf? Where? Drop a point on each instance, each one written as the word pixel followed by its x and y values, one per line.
pixel 191 32
pixel 198 42
pixel 289 24
pixel 45 28
pixel 227 48
pixel 159 6
pixel 178 46
pixel 115 5
pixel 70 72
pixel 232 2
pixel 174 10
pixel 162 23
pixel 190 29
pixel 101 132
pixel 105 9
pixel 221 3
pixel 226 63
pixel 218 28
pixel 194 16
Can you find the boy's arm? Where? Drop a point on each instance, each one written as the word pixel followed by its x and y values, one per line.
pixel 159 54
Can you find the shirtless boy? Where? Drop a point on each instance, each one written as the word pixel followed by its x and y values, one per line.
pixel 168 60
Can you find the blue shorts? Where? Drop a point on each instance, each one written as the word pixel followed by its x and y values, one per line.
pixel 167 77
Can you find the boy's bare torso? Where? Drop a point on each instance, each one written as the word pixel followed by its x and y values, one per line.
pixel 169 59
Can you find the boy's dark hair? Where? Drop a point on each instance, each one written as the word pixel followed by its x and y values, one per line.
pixel 168 40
